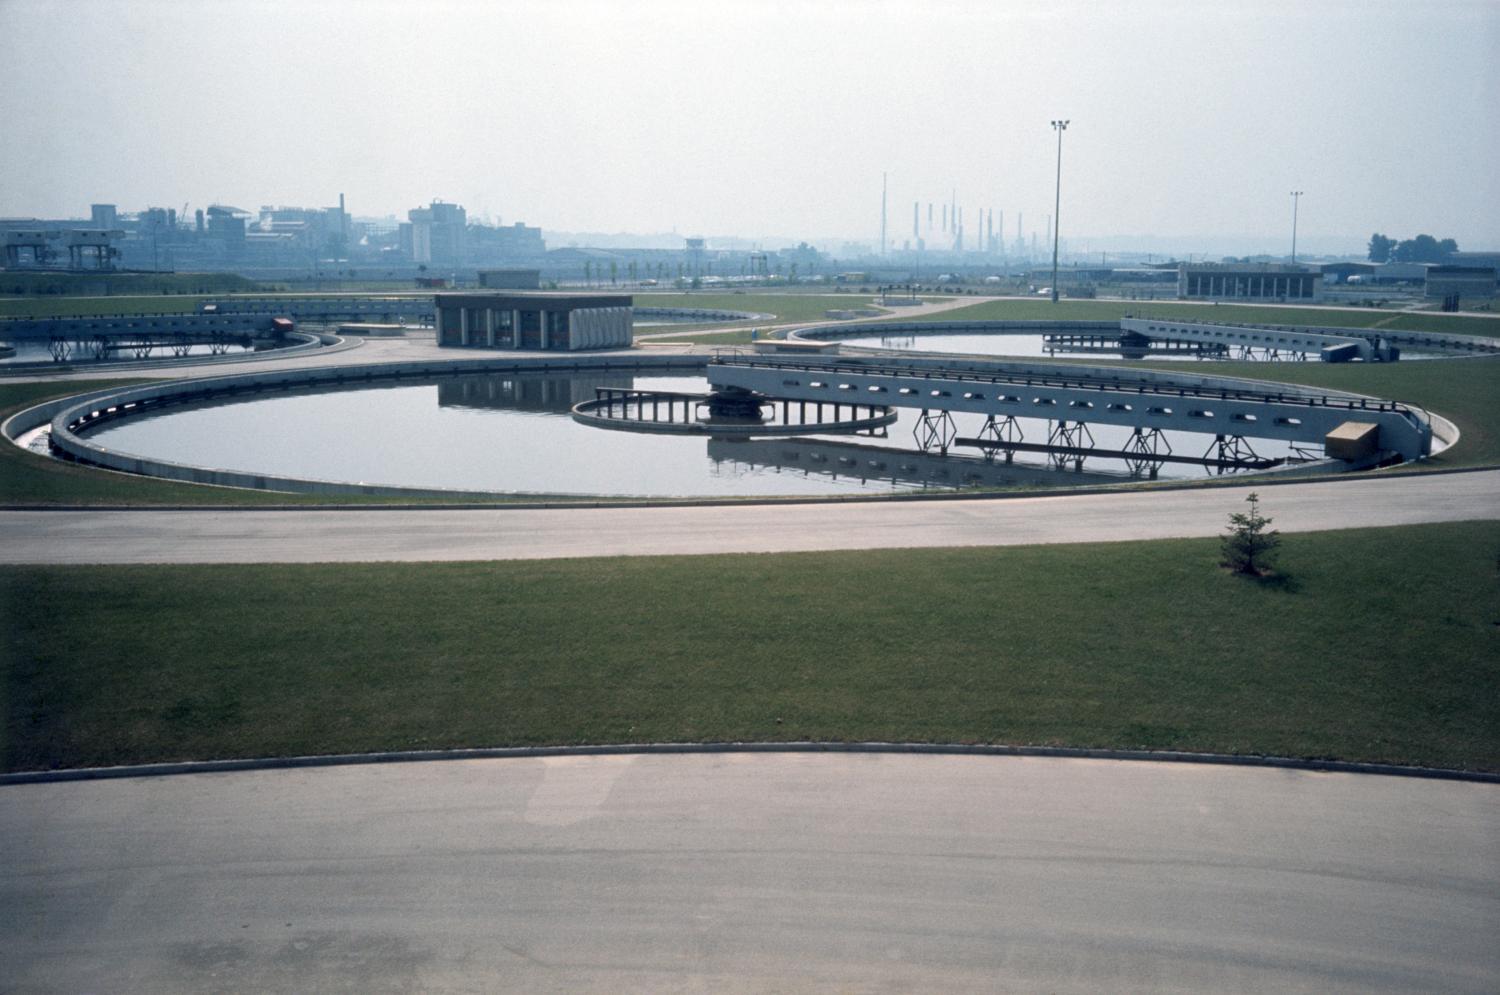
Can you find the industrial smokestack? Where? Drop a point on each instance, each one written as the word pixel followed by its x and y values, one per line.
pixel 916 218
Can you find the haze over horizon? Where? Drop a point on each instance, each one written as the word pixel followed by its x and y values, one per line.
pixel 1190 122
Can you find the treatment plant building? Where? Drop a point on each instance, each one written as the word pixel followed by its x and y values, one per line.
pixel 559 322
pixel 1249 281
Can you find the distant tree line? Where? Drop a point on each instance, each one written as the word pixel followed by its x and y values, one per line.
pixel 1422 249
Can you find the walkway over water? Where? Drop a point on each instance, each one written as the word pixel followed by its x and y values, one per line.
pixel 1328 344
pixel 1226 407
pixel 1257 342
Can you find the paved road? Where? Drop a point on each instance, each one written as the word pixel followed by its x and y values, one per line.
pixel 752 872
pixel 305 536
pixel 929 306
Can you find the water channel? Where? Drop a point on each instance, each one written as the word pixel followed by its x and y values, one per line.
pixel 514 434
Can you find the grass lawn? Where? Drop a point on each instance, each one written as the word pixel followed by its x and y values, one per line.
pixel 786 307
pixel 81 307
pixel 739 335
pixel 55 293
pixel 1378 645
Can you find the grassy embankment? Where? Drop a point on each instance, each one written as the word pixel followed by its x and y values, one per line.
pixel 30 293
pixel 1041 310
pixel 88 307
pixel 787 307
pixel 1376 645
pixel 85 307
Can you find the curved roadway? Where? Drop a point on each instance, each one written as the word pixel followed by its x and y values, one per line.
pixel 754 872
pixel 372 534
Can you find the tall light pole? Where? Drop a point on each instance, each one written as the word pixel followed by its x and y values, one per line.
pixel 1296 196
pixel 882 215
pixel 1059 127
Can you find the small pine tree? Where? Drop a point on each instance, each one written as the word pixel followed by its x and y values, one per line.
pixel 1249 548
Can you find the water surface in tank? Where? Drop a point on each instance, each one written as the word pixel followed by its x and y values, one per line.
pixel 510 433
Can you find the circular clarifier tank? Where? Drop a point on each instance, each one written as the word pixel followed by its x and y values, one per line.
pixel 513 433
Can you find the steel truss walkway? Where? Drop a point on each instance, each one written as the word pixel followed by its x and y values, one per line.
pixel 1229 409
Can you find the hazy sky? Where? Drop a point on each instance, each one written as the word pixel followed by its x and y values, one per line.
pixel 763 118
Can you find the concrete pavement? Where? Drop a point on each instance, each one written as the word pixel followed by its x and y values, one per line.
pixel 306 536
pixel 764 872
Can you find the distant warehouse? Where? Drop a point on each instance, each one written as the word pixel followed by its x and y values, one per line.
pixel 1460 281
pixel 1249 281
pixel 534 320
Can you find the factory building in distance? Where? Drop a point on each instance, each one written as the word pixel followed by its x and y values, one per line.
pixel 534 320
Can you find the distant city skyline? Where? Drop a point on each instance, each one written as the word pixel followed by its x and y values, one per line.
pixel 1191 122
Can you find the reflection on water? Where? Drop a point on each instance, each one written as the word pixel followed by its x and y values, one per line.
pixel 38 351
pixel 510 433
pixel 518 393
pixel 874 462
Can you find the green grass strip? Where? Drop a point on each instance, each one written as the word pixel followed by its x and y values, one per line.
pixel 1374 645
pixel 1043 310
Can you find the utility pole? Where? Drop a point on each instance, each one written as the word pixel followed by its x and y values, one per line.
pixel 1296 196
pixel 1059 127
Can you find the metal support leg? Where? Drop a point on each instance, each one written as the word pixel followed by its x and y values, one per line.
pixel 1076 436
pixel 1002 435
pixel 1146 445
pixel 1226 451
pixel 934 430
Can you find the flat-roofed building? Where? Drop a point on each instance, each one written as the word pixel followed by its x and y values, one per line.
pixel 1249 281
pixel 1460 281
pixel 541 320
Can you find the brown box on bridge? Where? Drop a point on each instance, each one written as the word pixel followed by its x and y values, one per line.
pixel 1353 440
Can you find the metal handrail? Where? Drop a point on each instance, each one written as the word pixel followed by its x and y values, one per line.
pixel 1110 383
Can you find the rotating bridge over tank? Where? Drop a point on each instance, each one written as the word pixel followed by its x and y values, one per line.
pixel 1071 398
pixel 1140 337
